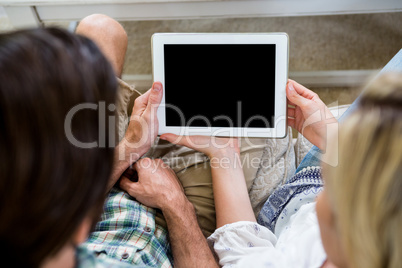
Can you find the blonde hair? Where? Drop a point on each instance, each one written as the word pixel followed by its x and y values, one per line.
pixel 365 189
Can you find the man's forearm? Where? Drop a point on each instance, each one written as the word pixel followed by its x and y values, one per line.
pixel 189 246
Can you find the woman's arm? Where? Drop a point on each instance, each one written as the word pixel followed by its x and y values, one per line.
pixel 232 203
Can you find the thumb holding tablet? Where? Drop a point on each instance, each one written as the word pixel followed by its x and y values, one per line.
pixel 309 116
pixel 154 98
pixel 143 127
pixel 149 100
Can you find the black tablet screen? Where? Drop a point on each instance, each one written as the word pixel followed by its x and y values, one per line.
pixel 220 85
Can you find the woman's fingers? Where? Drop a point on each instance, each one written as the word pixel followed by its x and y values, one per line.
pixel 291 122
pixel 173 138
pixel 291 112
pixel 302 90
pixel 294 97
pixel 291 103
pixel 205 144
pixel 287 94
pixel 194 142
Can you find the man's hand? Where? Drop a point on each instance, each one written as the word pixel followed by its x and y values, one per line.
pixel 310 116
pixel 141 132
pixel 157 185
pixel 143 127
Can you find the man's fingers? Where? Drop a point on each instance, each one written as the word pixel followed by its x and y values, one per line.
pixel 149 101
pixel 132 188
pixel 145 166
pixel 154 98
pixel 140 103
pixel 131 174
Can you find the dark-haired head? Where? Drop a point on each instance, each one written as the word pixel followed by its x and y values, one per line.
pixel 49 185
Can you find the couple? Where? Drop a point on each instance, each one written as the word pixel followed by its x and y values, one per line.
pixel 53 193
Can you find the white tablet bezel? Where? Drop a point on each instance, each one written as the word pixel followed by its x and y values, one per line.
pixel 281 41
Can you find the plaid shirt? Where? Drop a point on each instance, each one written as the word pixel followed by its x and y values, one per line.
pixel 127 233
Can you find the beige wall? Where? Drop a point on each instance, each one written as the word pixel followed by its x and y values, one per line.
pixel 317 43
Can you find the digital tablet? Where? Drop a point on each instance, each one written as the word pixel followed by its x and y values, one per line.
pixel 222 84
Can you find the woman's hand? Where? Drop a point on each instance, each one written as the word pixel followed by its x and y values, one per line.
pixel 310 116
pixel 211 146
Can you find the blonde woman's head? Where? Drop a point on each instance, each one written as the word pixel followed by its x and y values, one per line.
pixel 364 191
